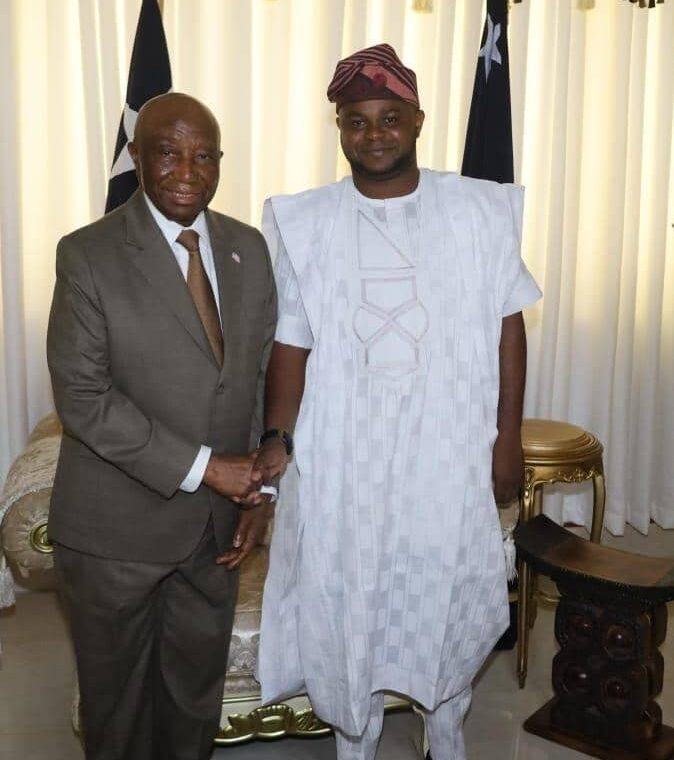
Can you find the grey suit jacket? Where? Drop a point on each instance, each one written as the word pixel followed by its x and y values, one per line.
pixel 137 387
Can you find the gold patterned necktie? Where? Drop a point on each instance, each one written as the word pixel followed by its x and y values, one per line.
pixel 202 293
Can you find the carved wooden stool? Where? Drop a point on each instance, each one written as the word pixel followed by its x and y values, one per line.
pixel 554 452
pixel 610 622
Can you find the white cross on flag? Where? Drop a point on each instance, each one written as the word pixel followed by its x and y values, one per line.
pixel 149 75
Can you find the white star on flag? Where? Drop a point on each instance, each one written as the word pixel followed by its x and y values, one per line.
pixel 490 51
pixel 124 162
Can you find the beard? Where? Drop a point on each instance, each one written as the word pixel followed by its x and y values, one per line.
pixel 401 164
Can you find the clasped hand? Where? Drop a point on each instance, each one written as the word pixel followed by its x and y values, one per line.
pixel 236 477
pixel 241 477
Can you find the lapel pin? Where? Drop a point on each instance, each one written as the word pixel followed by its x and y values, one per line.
pixel 236 257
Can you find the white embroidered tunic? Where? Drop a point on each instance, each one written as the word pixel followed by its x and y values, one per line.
pixel 386 564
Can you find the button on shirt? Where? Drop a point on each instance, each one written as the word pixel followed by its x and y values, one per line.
pixel 170 230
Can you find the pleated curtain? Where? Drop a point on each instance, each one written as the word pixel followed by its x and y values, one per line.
pixel 592 97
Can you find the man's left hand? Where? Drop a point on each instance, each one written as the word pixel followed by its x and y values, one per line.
pixel 249 533
pixel 507 467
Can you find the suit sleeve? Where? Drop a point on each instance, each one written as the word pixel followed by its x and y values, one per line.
pixel 89 405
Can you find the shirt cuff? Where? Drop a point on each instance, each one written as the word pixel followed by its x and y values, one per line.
pixel 270 491
pixel 196 473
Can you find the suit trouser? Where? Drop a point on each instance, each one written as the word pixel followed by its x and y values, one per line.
pixel 151 645
pixel 444 726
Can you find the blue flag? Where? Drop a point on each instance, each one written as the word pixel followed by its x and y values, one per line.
pixel 488 152
pixel 149 75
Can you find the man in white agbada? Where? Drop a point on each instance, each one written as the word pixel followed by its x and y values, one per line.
pixel 399 363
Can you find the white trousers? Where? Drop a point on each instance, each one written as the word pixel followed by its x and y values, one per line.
pixel 444 726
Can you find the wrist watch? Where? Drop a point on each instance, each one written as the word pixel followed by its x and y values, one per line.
pixel 283 435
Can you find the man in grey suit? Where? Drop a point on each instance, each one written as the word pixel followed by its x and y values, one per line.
pixel 162 320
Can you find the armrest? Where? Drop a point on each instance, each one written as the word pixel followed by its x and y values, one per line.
pixel 24 501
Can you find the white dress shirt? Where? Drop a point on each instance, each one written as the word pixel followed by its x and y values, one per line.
pixel 171 230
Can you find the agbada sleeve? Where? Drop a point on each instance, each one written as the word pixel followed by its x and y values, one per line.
pixel 516 287
pixel 292 327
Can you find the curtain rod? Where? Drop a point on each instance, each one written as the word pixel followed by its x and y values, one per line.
pixel 426 6
pixel 642 3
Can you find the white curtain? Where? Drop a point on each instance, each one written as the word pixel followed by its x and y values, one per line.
pixel 592 96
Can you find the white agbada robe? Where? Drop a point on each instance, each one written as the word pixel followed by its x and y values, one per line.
pixel 386 563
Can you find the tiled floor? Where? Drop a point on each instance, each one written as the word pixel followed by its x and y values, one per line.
pixel 36 676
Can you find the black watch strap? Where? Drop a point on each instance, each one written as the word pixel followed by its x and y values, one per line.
pixel 282 435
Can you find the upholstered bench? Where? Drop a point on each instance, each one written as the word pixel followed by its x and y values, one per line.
pixel 24 514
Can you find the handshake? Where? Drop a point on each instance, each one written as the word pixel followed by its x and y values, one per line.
pixel 241 478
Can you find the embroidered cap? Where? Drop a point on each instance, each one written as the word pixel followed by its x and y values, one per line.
pixel 372 74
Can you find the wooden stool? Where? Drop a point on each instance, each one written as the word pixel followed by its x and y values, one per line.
pixel 610 622
pixel 554 452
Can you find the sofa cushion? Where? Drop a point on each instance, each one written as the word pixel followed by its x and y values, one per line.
pixel 246 630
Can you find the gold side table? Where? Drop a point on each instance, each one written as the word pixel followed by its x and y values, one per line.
pixel 554 452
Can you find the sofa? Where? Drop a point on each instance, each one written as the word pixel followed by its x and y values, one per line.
pixel 24 516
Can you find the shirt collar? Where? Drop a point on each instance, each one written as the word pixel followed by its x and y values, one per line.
pixel 171 229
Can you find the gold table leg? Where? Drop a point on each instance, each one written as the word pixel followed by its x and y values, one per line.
pixel 524 577
pixel 524 591
pixel 599 491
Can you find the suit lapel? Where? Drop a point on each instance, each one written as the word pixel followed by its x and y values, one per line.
pixel 228 263
pixel 152 255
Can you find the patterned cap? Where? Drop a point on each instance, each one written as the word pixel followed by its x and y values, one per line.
pixel 372 74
